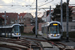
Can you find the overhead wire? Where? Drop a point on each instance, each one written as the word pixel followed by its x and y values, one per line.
pixel 45 3
pixel 26 5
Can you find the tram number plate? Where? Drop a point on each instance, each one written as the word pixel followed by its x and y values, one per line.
pixel 17 33
pixel 54 35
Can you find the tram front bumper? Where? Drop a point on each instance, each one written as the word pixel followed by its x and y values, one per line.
pixel 54 37
pixel 13 35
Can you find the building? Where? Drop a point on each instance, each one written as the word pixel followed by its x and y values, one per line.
pixel 2 20
pixel 73 13
pixel 26 19
pixel 71 20
pixel 10 17
pixel 46 16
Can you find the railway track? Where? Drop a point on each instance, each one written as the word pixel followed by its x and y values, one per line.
pixel 26 43
pixel 20 44
pixel 60 45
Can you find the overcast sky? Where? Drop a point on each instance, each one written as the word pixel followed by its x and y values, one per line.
pixel 26 5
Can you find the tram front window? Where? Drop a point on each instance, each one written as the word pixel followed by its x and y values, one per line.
pixel 16 29
pixel 54 29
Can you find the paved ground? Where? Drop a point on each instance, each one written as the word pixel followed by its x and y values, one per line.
pixel 70 43
pixel 2 48
pixel 33 36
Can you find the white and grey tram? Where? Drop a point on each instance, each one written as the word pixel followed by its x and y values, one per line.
pixel 52 30
pixel 10 31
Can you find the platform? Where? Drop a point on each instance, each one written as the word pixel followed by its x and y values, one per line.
pixel 54 48
pixel 46 45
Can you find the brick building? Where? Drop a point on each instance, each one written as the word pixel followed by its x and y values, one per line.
pixel 26 19
pixel 10 18
pixel 1 20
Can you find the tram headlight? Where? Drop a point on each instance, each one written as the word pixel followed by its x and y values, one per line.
pixel 58 34
pixel 51 34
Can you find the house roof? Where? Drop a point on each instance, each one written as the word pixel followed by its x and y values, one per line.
pixel 48 12
pixel 1 17
pixel 21 15
pixel 10 15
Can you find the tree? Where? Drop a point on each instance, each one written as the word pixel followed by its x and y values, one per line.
pixel 34 30
pixel 38 21
pixel 57 12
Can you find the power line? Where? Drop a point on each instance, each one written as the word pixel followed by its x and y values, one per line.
pixel 33 2
pixel 16 5
pixel 42 8
pixel 27 5
pixel 45 3
pixel 71 4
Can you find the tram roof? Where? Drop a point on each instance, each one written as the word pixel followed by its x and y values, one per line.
pixel 9 26
pixel 48 23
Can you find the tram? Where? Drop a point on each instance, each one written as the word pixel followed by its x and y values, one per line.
pixel 10 31
pixel 52 30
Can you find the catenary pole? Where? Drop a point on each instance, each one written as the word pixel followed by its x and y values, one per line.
pixel 18 18
pixel 67 19
pixel 5 24
pixel 36 21
pixel 50 13
pixel 61 16
pixel 5 17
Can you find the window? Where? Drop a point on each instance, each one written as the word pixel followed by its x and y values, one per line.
pixel 24 19
pixel 16 29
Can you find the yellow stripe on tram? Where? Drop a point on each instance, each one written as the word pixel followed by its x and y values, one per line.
pixel 6 34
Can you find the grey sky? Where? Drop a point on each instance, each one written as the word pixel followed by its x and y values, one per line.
pixel 26 8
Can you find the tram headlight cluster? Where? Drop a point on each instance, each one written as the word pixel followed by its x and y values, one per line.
pixel 58 34
pixel 55 35
pixel 51 34
pixel 14 34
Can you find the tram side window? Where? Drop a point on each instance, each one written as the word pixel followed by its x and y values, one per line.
pixel 0 30
pixel 12 30
pixel 54 28
pixel 8 30
pixel 16 29
pixel 3 30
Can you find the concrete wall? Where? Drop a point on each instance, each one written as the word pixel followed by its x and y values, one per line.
pixel 71 26
pixel 28 29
